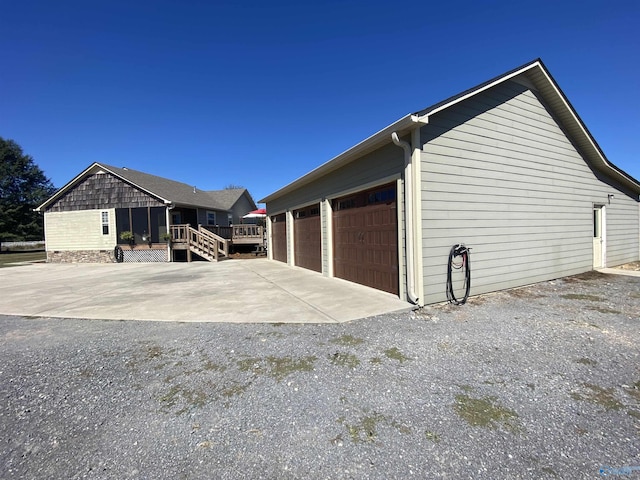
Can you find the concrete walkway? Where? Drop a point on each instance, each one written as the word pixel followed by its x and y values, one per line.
pixel 620 271
pixel 240 291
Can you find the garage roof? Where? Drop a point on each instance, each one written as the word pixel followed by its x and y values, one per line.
pixel 536 73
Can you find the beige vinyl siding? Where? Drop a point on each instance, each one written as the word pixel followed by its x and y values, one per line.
pixel 499 175
pixel 79 230
pixel 622 231
pixel 379 165
pixel 384 162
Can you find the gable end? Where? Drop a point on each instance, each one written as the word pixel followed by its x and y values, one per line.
pixel 102 190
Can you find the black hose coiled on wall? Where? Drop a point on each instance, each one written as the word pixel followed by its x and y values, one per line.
pixel 459 250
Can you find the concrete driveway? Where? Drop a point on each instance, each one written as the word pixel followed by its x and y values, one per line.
pixel 239 291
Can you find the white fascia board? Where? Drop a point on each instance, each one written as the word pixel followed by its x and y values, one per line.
pixel 597 155
pixel 481 89
pixel 81 175
pixel 66 187
pixel 377 139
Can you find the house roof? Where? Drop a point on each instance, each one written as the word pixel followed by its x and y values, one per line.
pixel 534 72
pixel 165 190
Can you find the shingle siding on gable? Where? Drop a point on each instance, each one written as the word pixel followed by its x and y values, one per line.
pixel 102 190
pixel 499 175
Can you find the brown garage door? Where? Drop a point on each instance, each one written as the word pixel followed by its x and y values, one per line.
pixel 365 237
pixel 307 237
pixel 279 237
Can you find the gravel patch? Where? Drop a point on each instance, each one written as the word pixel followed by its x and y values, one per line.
pixel 538 382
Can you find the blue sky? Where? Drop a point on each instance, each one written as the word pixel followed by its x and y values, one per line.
pixel 259 93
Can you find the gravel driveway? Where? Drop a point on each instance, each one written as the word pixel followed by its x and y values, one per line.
pixel 539 382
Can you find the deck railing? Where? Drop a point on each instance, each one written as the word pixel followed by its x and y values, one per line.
pixel 179 233
pixel 218 240
pixel 239 234
pixel 224 232
pixel 247 231
pixel 202 241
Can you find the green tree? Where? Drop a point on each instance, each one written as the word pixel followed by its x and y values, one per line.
pixel 23 186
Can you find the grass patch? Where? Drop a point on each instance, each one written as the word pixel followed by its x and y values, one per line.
pixel 581 296
pixel 153 352
pixel 189 399
pixel 587 361
pixel 485 412
pixel 634 390
pixel 277 367
pixel 208 365
pixel 365 430
pixel 235 389
pixel 605 397
pixel 525 292
pixel 433 436
pixel 395 354
pixel 8 259
pixel 344 360
pixel 605 310
pixel 494 382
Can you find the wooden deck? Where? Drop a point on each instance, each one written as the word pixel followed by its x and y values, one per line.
pixel 246 234
pixel 212 243
pixel 201 242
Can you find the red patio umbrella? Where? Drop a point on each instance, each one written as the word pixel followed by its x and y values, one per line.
pixel 259 213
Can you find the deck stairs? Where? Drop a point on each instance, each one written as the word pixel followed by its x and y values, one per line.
pixel 202 242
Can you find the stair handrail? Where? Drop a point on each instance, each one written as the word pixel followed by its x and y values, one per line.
pixel 202 244
pixel 217 238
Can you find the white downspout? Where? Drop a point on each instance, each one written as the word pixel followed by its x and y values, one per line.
pixel 169 207
pixel 408 218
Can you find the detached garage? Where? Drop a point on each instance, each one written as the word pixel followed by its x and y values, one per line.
pixel 365 240
pixel 278 237
pixel 307 233
pixel 506 168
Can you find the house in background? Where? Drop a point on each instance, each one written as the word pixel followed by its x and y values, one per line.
pixel 507 168
pixel 84 219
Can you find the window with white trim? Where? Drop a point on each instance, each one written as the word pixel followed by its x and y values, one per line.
pixel 105 223
pixel 211 217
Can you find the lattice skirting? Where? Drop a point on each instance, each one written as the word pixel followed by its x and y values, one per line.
pixel 144 256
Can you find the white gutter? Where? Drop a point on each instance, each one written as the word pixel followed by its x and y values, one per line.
pixel 408 217
pixel 168 215
pixel 369 144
